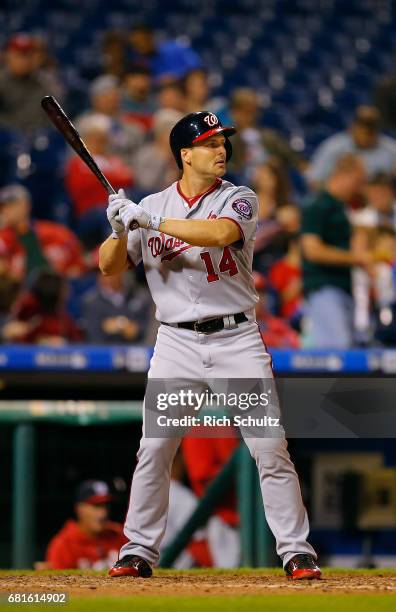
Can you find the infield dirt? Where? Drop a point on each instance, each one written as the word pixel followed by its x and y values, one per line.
pixel 173 583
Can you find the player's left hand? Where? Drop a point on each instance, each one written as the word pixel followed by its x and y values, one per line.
pixel 131 212
pixel 128 212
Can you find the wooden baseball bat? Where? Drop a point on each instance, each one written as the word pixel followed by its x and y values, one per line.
pixel 62 123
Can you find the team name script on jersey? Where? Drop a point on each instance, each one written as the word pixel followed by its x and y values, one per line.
pixel 166 246
pixel 169 247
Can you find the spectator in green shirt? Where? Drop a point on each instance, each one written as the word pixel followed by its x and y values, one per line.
pixel 328 256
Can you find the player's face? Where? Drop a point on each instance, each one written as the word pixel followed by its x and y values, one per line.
pixel 209 156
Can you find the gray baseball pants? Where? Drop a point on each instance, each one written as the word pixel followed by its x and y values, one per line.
pixel 188 355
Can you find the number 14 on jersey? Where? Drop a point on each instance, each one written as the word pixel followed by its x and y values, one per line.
pixel 227 264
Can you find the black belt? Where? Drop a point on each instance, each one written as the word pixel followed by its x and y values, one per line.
pixel 211 325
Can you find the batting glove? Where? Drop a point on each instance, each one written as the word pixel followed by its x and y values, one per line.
pixel 131 212
pixel 116 200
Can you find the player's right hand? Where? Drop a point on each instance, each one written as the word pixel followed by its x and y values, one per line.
pixel 116 201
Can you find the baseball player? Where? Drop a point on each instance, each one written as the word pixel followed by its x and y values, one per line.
pixel 196 241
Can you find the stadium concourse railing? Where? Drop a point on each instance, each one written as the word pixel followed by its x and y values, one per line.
pixel 19 363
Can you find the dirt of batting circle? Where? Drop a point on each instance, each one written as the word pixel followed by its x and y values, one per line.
pixel 174 583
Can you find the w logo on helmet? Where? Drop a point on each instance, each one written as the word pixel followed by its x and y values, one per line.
pixel 211 119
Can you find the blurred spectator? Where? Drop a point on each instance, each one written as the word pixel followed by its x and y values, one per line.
pixel 171 96
pixel 252 144
pixel 90 541
pixel 286 277
pixel 88 195
pixel 385 285
pixel 46 66
pixel 381 204
pixel 168 59
pixel 384 254
pixel 27 245
pixel 197 90
pixel 384 248
pixel 380 212
pixel 138 101
pixel 155 166
pixel 182 503
pixel 289 216
pixel 116 311
pixel 270 182
pixel 8 293
pixel 375 293
pixel 328 258
pixel 204 459
pixel 385 101
pixel 364 138
pixel 42 58
pixel 275 332
pixel 40 316
pixel 104 92
pixel 126 137
pixel 113 53
pixel 22 86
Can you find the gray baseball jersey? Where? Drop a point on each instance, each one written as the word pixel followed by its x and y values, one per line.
pixel 190 283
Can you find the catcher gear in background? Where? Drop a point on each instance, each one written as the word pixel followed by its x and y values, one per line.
pixel 196 127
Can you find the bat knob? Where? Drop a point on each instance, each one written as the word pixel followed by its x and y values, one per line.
pixel 134 225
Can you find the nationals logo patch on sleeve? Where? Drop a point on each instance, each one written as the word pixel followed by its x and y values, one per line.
pixel 243 208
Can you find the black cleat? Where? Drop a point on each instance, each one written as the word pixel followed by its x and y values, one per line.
pixel 302 567
pixel 131 565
